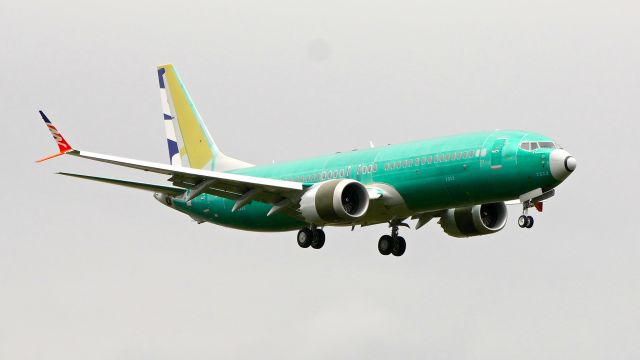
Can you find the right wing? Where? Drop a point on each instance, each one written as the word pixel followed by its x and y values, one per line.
pixel 243 189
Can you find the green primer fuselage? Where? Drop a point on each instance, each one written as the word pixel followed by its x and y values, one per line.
pixel 430 175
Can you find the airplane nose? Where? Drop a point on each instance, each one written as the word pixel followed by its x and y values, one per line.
pixel 562 164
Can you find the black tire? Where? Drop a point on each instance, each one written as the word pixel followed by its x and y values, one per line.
pixel 305 236
pixel 523 221
pixel 529 222
pixel 385 244
pixel 318 239
pixel 399 246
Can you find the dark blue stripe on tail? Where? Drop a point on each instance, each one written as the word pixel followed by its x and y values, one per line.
pixel 160 79
pixel 173 148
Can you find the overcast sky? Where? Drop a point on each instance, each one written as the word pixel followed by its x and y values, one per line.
pixel 92 271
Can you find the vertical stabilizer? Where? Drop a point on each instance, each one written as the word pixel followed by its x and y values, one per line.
pixel 189 142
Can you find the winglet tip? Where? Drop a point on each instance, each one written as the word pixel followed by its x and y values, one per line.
pixel 63 145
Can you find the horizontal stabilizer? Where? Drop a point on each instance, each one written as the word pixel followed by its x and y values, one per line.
pixel 131 184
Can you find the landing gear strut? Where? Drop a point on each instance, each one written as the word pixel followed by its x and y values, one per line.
pixel 313 237
pixel 392 244
pixel 525 220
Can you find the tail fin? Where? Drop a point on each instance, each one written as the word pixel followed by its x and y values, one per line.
pixel 189 141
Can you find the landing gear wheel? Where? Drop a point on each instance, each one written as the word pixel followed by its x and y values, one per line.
pixel 399 246
pixel 305 237
pixel 529 222
pixel 385 245
pixel 317 242
pixel 523 221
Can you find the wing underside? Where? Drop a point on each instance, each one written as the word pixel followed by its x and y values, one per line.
pixel 131 184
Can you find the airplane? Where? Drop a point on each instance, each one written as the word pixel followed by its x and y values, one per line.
pixel 465 180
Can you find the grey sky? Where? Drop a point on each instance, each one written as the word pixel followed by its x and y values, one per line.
pixel 93 271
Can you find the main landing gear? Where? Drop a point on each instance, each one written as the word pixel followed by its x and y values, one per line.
pixel 525 220
pixel 393 244
pixel 311 237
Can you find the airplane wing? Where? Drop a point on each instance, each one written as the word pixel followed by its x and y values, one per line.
pixel 130 184
pixel 243 189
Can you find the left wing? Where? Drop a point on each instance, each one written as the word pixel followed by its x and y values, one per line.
pixel 243 189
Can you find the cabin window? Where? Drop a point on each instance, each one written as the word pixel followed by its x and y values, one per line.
pixel 341 172
pixel 429 160
pixel 364 170
pixel 393 165
pixel 335 174
pixel 424 160
pixel 375 167
pixel 448 157
pixel 348 171
pixel 410 164
pixel 398 164
pixel 358 170
pixel 471 153
pixel 483 153
pixel 460 155
pixel 386 166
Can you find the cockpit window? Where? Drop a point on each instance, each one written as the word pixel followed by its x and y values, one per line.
pixel 532 145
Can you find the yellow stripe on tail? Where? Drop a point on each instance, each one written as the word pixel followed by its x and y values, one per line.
pixel 189 141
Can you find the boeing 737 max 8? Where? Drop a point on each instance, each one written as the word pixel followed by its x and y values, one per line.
pixel 464 180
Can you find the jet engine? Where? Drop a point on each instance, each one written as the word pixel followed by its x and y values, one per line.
pixel 334 201
pixel 475 220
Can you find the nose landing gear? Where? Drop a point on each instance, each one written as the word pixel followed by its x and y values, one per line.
pixel 393 244
pixel 525 220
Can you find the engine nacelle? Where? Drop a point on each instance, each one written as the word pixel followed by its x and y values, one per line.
pixel 475 220
pixel 335 201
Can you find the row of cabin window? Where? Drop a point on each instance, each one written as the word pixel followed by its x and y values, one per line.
pixel 335 174
pixel 371 168
pixel 435 159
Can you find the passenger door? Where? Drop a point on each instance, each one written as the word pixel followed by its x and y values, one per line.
pixel 496 153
